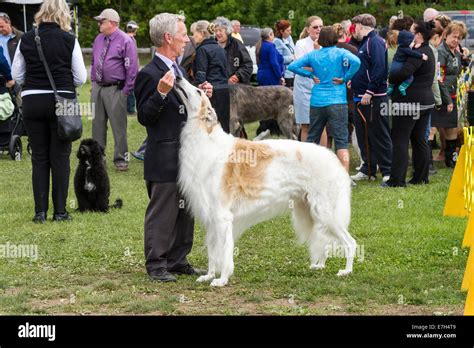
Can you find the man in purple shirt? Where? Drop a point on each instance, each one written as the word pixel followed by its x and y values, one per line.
pixel 113 71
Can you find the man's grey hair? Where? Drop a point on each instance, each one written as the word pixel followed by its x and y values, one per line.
pixel 164 23
pixel 234 22
pixel 222 22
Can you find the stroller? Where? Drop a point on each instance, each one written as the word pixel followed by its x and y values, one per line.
pixel 12 129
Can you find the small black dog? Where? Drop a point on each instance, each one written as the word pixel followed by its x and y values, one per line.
pixel 91 182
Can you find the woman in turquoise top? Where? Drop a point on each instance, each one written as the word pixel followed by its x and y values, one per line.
pixel 332 68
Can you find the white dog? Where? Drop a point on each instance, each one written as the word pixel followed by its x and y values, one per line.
pixel 232 184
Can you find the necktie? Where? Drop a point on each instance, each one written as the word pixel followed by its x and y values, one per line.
pixel 177 72
pixel 99 72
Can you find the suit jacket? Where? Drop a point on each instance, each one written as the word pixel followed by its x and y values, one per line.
pixel 163 119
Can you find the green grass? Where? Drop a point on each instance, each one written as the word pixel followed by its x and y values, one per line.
pixel 413 262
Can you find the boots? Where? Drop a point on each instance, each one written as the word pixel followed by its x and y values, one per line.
pixel 434 144
pixel 450 153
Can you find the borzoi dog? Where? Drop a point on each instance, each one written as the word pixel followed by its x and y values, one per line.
pixel 231 184
pixel 250 104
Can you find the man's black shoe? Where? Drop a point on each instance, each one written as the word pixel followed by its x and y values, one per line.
pixel 162 275
pixel 40 218
pixel 188 270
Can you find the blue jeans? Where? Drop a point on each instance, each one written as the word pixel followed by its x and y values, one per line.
pixel 336 117
pixel 131 103
pixel 428 128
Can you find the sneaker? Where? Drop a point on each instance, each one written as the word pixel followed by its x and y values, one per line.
pixel 385 178
pixel 62 217
pixel 361 176
pixel 432 170
pixel 390 90
pixel 121 166
pixel 40 218
pixel 138 155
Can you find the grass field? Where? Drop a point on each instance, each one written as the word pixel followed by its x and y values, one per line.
pixel 412 261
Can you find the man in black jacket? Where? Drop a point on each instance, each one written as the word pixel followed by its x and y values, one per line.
pixel 369 85
pixel 168 226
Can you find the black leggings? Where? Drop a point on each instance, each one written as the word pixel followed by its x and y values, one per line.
pixel 221 103
pixel 404 130
pixel 50 155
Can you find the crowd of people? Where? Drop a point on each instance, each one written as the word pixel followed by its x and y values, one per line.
pixel 341 74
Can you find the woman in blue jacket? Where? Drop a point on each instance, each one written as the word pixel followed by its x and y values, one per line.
pixel 270 63
pixel 332 68
pixel 285 46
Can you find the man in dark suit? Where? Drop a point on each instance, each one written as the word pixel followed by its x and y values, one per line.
pixel 169 228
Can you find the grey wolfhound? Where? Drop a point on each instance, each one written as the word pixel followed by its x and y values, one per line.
pixel 250 104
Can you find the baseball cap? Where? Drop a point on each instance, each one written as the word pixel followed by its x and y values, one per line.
pixel 365 19
pixel 132 24
pixel 109 14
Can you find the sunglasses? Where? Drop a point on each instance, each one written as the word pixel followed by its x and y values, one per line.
pixel 315 27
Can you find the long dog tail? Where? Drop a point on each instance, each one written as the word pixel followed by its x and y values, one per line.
pixel 118 204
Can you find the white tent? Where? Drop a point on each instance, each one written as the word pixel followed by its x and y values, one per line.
pixel 24 3
pixel 29 8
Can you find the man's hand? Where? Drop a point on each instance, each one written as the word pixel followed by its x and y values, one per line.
pixel 366 98
pixel 282 81
pixel 450 107
pixel 233 79
pixel 424 57
pixel 338 80
pixel 166 83
pixel 207 88
pixel 10 83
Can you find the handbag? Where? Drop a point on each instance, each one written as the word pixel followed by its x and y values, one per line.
pixel 68 111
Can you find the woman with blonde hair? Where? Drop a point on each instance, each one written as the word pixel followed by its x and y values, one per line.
pixel 303 85
pixel 50 154
pixel 392 43
pixel 210 64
